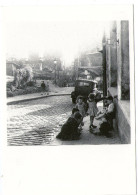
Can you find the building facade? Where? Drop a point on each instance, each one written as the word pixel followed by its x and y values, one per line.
pixel 118 75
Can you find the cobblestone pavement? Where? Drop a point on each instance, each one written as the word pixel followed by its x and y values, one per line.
pixel 37 122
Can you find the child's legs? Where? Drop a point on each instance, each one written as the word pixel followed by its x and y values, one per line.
pixel 91 120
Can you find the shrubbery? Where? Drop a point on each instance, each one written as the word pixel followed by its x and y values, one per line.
pixel 31 83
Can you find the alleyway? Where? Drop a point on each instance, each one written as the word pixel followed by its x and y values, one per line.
pixel 37 122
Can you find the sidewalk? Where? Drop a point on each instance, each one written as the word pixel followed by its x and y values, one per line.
pixel 34 96
pixel 88 138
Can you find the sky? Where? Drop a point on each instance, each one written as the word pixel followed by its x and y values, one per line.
pixel 28 31
pixel 67 39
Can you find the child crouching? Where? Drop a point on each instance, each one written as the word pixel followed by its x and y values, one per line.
pixel 69 130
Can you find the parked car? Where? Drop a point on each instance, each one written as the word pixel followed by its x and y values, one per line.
pixel 83 87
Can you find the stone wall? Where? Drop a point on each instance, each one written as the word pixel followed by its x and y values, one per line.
pixel 125 60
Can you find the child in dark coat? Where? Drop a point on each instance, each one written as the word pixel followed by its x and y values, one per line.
pixel 69 130
pixel 74 110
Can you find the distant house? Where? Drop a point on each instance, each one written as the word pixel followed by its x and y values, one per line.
pixel 43 74
pixel 95 59
pixel 90 72
pixel 93 67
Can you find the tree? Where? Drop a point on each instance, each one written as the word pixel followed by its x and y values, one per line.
pixel 22 76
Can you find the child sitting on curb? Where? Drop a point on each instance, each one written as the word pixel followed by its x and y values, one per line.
pixel 109 112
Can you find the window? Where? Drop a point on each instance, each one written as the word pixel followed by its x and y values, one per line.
pixel 81 84
pixel 86 84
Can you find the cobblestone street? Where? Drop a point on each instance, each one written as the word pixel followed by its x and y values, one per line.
pixel 37 122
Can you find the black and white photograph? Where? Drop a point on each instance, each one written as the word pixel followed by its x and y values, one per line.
pixel 68 83
pixel 69 86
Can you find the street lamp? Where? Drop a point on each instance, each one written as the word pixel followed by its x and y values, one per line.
pixel 41 64
pixel 55 63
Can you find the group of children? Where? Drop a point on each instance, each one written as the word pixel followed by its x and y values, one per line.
pixel 72 128
pixel 90 108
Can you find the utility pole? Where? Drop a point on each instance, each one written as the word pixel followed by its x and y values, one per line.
pixel 104 66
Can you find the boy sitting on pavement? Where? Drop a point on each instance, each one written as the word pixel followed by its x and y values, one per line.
pixel 109 112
